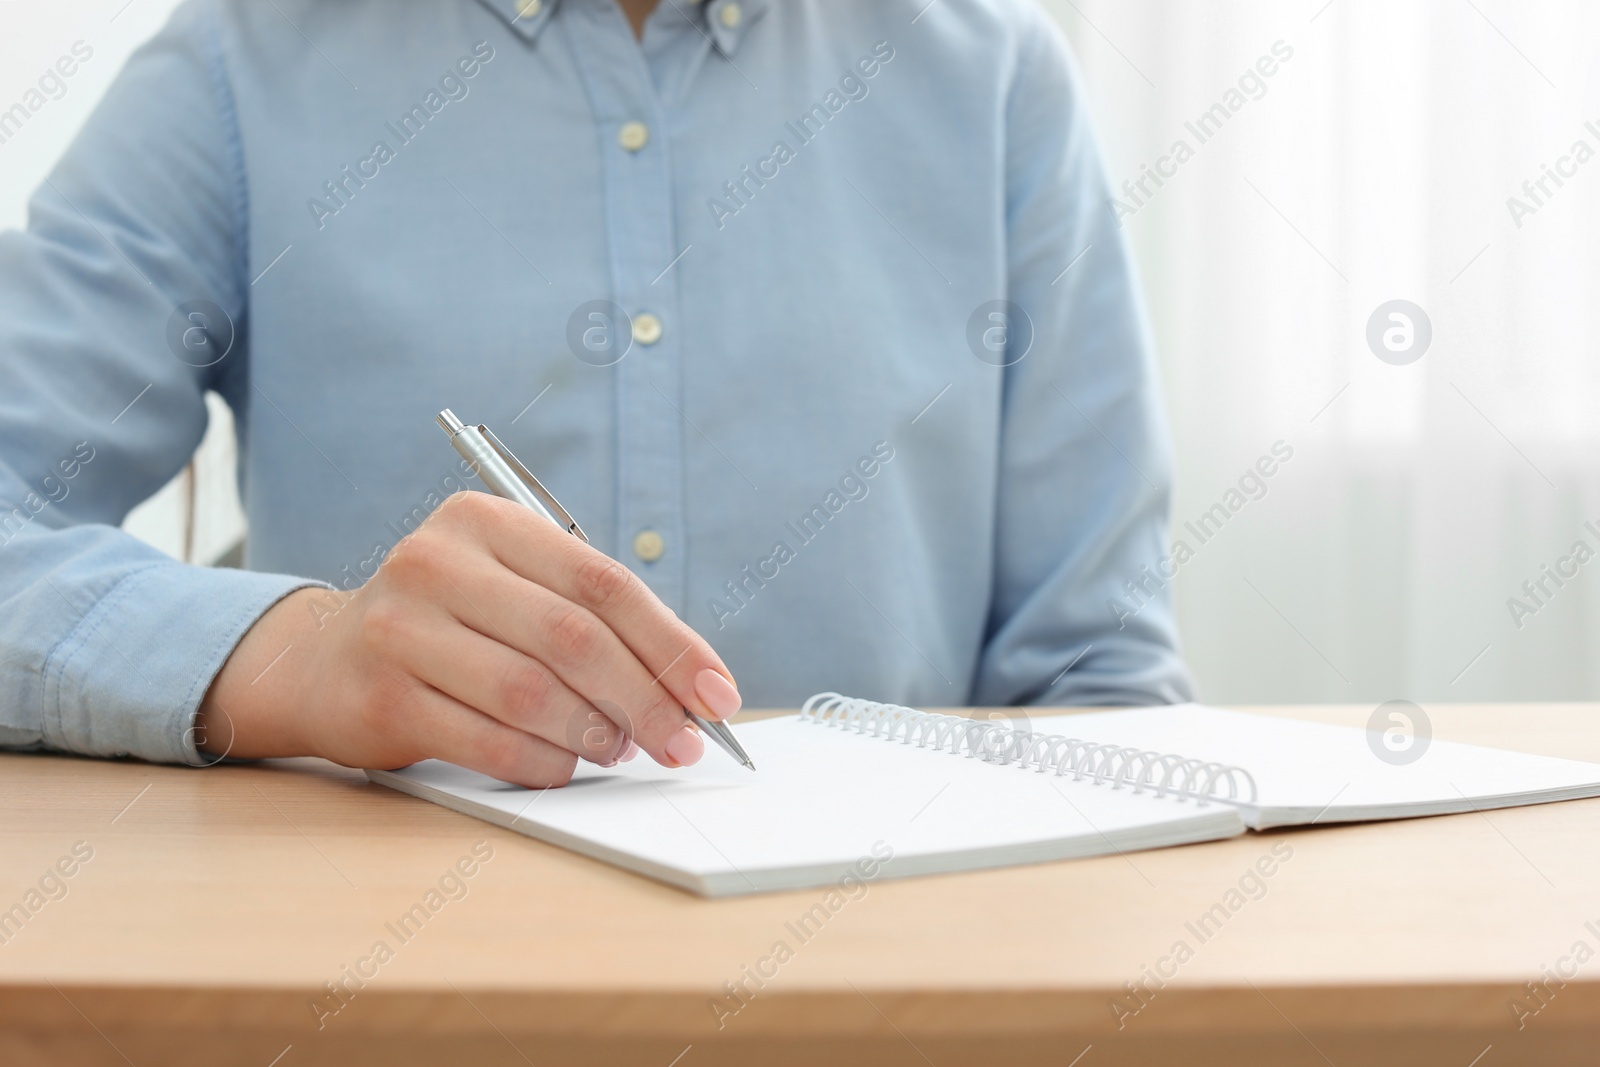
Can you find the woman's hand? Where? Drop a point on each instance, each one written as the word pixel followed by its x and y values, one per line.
pixel 490 638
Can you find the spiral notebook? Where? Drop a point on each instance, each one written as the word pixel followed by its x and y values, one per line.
pixel 852 789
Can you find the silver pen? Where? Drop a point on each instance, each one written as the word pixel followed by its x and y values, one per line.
pixel 506 477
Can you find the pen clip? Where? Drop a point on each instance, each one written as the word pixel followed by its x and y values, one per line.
pixel 533 484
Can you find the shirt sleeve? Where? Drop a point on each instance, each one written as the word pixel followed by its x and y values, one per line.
pixel 1085 469
pixel 107 646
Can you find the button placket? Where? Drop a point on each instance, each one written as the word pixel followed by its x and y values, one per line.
pixel 639 219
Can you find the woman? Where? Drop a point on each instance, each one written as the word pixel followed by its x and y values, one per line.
pixel 814 313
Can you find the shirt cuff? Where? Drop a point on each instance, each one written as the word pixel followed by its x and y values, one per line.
pixel 130 676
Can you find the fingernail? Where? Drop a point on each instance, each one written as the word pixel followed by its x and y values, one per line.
pixel 629 750
pixel 686 747
pixel 719 694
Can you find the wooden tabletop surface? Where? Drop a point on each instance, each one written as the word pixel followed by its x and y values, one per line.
pixel 208 912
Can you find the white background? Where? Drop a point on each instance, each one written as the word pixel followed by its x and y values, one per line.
pixel 1376 166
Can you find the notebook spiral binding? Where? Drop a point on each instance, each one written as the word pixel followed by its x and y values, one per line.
pixel 1165 774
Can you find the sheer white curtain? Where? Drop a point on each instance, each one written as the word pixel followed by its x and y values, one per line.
pixel 1374 163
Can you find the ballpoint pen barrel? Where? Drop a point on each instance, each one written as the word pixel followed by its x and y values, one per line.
pixel 489 467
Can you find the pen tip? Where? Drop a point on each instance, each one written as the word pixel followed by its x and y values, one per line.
pixel 749 764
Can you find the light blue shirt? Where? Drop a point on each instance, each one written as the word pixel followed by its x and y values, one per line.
pixel 736 292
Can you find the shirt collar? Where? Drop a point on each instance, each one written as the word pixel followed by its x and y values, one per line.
pixel 726 21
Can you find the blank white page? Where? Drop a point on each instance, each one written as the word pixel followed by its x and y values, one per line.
pixel 1307 772
pixel 822 800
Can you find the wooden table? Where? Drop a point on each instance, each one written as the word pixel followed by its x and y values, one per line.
pixel 217 903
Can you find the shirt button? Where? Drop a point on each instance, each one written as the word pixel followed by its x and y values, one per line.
pixel 646 329
pixel 528 8
pixel 730 15
pixel 648 545
pixel 633 136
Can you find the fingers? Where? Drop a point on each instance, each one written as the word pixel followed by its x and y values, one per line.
pixel 460 735
pixel 671 653
pixel 493 678
pixel 585 655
